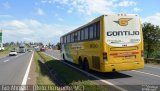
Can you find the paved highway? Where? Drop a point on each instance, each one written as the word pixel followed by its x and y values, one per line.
pixel 13 68
pixel 135 80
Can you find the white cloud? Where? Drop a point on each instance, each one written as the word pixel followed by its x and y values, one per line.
pixel 70 11
pixel 44 1
pixel 92 6
pixel 32 30
pixel 126 3
pixel 40 12
pixel 136 9
pixel 154 19
pixel 6 16
pixel 17 24
pixel 58 17
pixel 7 5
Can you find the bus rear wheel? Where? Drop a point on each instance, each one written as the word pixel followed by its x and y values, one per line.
pixel 86 65
pixel 80 63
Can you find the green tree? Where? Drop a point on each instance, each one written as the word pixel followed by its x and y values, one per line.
pixel 58 46
pixel 151 35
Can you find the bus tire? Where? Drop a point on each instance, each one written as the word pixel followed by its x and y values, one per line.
pixel 86 65
pixel 80 63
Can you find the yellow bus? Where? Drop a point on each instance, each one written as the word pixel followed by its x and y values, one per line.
pixel 109 43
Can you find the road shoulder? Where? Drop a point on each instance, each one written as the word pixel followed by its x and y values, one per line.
pixel 32 74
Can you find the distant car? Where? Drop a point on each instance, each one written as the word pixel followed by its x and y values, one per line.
pixel 29 50
pixel 37 48
pixel 13 53
pixel 43 49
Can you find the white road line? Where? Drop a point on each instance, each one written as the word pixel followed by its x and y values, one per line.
pixel 6 60
pixel 12 58
pixel 27 73
pixel 89 74
pixel 146 73
pixel 153 67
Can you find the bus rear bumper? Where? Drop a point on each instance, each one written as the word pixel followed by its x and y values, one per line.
pixel 123 66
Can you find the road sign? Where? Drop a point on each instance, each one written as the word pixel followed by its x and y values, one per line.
pixel 0 36
pixel 0 39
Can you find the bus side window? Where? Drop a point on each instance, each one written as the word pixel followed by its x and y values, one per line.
pixel 79 35
pixel 95 31
pixel 64 39
pixel 86 33
pixel 82 35
pixel 98 30
pixel 72 37
pixel 68 38
pixel 75 37
pixel 91 32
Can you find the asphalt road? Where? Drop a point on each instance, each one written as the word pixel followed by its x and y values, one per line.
pixel 134 80
pixel 13 68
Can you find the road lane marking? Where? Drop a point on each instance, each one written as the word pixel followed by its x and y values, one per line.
pixel 146 73
pixel 153 67
pixel 27 73
pixel 6 60
pixel 9 59
pixel 89 74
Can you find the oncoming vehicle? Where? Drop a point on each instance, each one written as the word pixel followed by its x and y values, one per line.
pixel 13 53
pixel 43 49
pixel 22 48
pixel 109 43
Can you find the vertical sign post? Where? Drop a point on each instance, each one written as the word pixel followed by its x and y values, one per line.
pixel 1 38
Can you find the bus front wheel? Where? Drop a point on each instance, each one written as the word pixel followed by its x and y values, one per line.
pixel 64 58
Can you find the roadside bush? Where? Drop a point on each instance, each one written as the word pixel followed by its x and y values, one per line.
pixel 158 60
pixel 157 56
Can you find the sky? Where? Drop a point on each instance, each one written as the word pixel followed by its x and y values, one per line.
pixel 46 20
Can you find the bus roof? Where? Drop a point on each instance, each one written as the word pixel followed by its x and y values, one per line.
pixel 93 21
pixel 97 19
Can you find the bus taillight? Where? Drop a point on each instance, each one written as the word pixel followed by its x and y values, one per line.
pixel 142 53
pixel 105 56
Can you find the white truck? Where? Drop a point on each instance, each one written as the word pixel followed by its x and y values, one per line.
pixel 22 48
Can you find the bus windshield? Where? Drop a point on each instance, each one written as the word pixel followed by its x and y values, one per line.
pixel 122 30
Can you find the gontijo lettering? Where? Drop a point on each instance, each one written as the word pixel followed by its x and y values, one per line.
pixel 122 33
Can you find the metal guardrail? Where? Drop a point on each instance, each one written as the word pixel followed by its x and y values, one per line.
pixel 152 60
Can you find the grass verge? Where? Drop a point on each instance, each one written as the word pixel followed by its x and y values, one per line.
pixel 42 74
pixel 71 76
pixel 5 52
